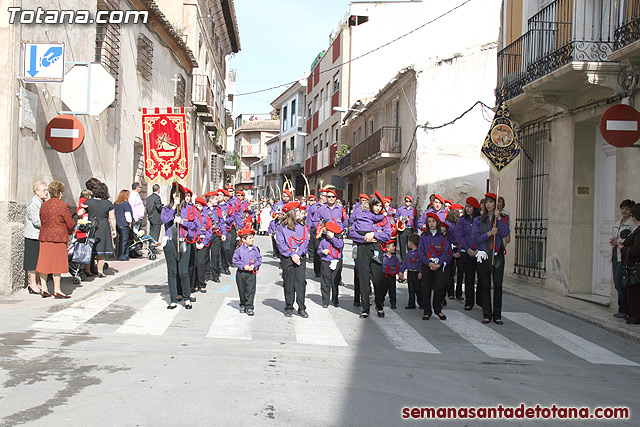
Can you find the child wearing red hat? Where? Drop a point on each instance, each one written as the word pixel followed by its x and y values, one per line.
pixel 247 260
pixel 329 249
pixel 390 268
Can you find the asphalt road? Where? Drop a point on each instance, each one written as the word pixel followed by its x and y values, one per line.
pixel 120 358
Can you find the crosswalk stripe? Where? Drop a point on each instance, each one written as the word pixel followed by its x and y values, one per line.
pixel 72 317
pixel 402 335
pixel 572 343
pixel 486 339
pixel 319 328
pixel 152 319
pixel 229 323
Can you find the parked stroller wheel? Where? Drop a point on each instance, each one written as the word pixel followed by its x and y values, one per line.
pixel 75 281
pixel 82 275
pixel 152 256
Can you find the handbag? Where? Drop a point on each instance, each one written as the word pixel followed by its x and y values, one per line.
pixel 630 275
pixel 82 252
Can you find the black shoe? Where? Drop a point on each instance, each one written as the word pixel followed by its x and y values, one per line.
pixel 485 321
pixel 172 306
pixel 179 298
pixel 227 272
pixel 364 315
pixel 303 313
pixel 617 315
pixel 336 304
pixel 498 321
pixel 468 307
pixel 216 279
pixel 243 309
pixel 188 305
pixel 380 313
pixel 203 290
pixel 441 316
pixel 409 307
pixel 317 276
pixel 250 312
pixel 451 297
pixel 192 298
pixel 356 303
pixel 288 313
pixel 444 302
pixel 393 306
pixel 459 298
pixel 31 291
pixel 325 305
pixel 633 322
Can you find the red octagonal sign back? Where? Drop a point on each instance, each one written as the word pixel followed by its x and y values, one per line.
pixel 620 125
pixel 65 133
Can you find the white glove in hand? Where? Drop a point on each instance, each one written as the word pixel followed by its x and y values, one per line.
pixel 481 256
pixel 435 260
pixel 333 264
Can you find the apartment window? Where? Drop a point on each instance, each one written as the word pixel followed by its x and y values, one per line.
pixel 284 153
pixel 308 149
pixel 315 145
pixel 316 105
pixel 310 113
pixel 336 132
pixel 293 113
pixel 359 134
pixel 108 43
pixel 321 106
pixel 292 146
pixel 180 90
pixel 333 132
pixel 321 146
pixel 354 141
pixel 336 83
pixel 145 56
pixel 396 120
pixel 327 141
pixel 284 118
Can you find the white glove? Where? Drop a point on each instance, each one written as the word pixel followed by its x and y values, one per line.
pixel 435 260
pixel 333 264
pixel 165 239
pixel 481 256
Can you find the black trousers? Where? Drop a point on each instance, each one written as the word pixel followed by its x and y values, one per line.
pixel 229 247
pixel 488 273
pixel 246 282
pixel 453 288
pixel 403 237
pixel 432 281
pixel 215 252
pixel 276 252
pixel 294 282
pixel 154 231
pixel 192 267
pixel 460 278
pixel 177 271
pixel 415 288
pixel 202 261
pixel 356 282
pixel 468 264
pixel 633 301
pixel 368 270
pixel 313 254
pixel 387 284
pixel 328 283
pixel 123 243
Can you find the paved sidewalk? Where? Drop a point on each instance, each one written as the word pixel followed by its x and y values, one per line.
pixel 595 314
pixel 117 272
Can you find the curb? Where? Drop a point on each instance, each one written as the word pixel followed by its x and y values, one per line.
pixel 612 328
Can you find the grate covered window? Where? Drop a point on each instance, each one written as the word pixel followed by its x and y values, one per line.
pixel 530 228
pixel 108 44
pixel 180 91
pixel 145 56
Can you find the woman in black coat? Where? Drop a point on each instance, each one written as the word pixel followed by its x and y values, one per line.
pixel 630 250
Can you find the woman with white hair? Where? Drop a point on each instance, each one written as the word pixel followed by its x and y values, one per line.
pixel 31 233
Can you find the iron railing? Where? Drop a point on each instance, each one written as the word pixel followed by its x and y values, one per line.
pixel 384 140
pixel 344 163
pixel 202 94
pixel 530 228
pixel 629 29
pixel 562 32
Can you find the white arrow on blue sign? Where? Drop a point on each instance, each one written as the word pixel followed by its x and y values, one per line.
pixel 43 62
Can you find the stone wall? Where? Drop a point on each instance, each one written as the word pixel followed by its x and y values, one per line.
pixel 12 276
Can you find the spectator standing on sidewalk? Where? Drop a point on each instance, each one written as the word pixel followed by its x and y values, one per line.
pixel 630 250
pixel 154 209
pixel 621 230
pixel 31 233
pixel 137 206
pixel 100 209
pixel 124 218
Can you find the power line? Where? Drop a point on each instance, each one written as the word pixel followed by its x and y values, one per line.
pixel 364 54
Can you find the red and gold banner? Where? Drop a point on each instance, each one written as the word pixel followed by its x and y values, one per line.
pixel 166 158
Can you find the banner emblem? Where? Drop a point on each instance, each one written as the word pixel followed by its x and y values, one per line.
pixel 166 156
pixel 501 144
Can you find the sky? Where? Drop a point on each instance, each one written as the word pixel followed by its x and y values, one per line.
pixel 279 39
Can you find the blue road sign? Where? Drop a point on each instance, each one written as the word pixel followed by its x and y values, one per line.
pixel 44 62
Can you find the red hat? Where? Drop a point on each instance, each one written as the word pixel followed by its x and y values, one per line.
pixel 439 197
pixel 331 191
pixel 303 207
pixel 363 196
pixel 245 232
pixel 240 193
pixel 322 190
pixel 433 215
pixel 333 227
pixel 312 197
pixel 379 196
pixel 201 200
pixel 287 192
pixel 492 195
pixel 224 192
pixel 186 190
pixel 457 206
pixel 387 200
pixel 449 201
pixel 229 187
pixel 180 187
pixel 211 193
pixel 290 206
pixel 473 202
pixel 444 225
pixel 409 197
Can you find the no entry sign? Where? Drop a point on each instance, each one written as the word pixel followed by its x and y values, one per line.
pixel 620 125
pixel 65 133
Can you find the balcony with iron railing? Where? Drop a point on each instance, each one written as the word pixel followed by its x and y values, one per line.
pixel 203 100
pixel 376 151
pixel 561 33
pixel 344 163
pixel 627 34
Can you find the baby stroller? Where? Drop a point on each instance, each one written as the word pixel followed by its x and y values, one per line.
pixel 143 241
pixel 80 250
